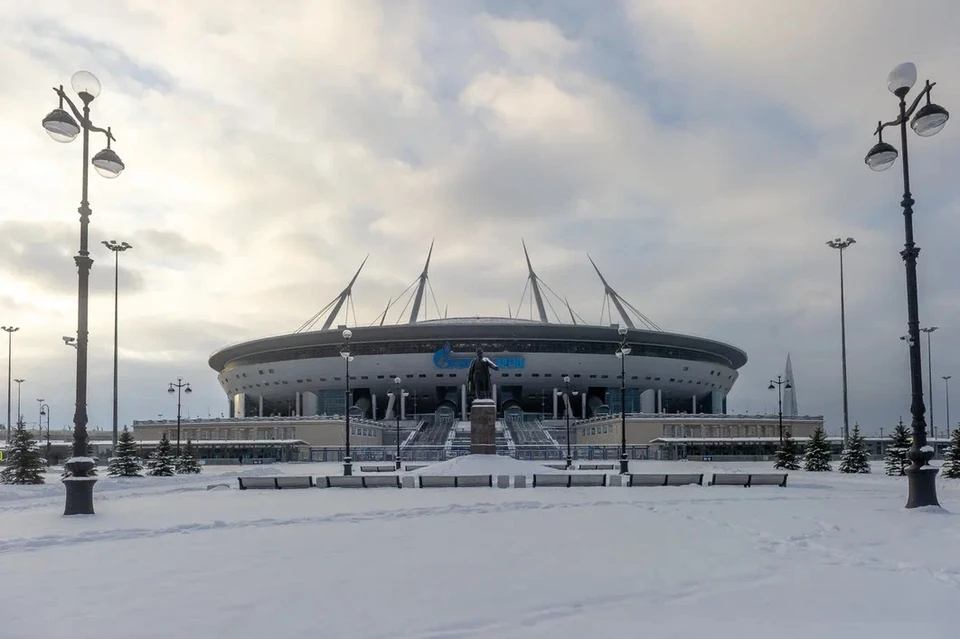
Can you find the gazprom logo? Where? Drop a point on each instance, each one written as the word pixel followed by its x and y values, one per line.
pixel 445 358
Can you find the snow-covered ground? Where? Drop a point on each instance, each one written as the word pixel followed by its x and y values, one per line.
pixel 830 555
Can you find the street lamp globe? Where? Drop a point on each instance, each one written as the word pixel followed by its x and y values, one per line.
pixel 396 380
pixel 566 379
pixel 86 85
pixel 347 333
pixel 622 330
pixel 881 157
pixel 929 120
pixel 61 126
pixel 902 78
pixel 108 163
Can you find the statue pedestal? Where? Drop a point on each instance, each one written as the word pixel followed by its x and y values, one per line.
pixel 483 427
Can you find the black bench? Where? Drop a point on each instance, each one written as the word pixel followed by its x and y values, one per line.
pixel 359 481
pixel 247 483
pixel 293 481
pixel 459 481
pixel 749 479
pixel 379 468
pixel 597 467
pixel 568 480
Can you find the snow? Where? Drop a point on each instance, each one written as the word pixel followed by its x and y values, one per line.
pixel 484 465
pixel 830 555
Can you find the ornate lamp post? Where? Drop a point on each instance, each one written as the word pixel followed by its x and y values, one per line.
pixel 178 387
pixel 780 384
pixel 64 127
pixel 622 351
pixel 10 331
pixel 927 120
pixel 117 250
pixel 568 406
pixel 347 358
pixel 842 245
pixel 398 394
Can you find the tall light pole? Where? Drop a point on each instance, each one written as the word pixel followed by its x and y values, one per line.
pixel 347 358
pixel 64 127
pixel 44 410
pixel 928 330
pixel 10 331
pixel 40 406
pixel 946 393
pixel 842 245
pixel 398 396
pixel 567 407
pixel 178 387
pixel 927 121
pixel 780 384
pixel 622 351
pixel 19 413
pixel 117 249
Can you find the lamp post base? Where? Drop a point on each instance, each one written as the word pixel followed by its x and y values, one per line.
pixel 624 464
pixel 347 467
pixel 398 463
pixel 922 483
pixel 79 484
pixel 569 462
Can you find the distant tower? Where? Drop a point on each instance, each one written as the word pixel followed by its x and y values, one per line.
pixel 790 394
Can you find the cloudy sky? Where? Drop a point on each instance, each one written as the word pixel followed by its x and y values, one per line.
pixel 701 151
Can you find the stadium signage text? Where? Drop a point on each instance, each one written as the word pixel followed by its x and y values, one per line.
pixel 444 358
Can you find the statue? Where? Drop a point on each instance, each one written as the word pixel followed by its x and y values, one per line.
pixel 478 377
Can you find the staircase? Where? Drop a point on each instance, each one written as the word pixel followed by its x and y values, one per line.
pixel 458 440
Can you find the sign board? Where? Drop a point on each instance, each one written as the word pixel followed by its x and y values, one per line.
pixel 446 359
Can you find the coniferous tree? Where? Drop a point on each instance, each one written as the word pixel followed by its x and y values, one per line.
pixel 855 459
pixel 895 460
pixel 126 462
pixel 951 460
pixel 788 455
pixel 24 463
pixel 187 463
pixel 817 455
pixel 161 462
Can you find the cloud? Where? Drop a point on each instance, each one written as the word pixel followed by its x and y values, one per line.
pixel 701 154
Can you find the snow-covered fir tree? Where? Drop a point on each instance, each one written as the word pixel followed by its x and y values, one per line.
pixel 126 462
pixel 816 458
pixel 895 460
pixel 855 459
pixel 161 462
pixel 24 463
pixel 187 463
pixel 788 455
pixel 951 460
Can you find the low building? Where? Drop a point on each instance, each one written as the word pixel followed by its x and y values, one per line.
pixel 277 438
pixel 683 436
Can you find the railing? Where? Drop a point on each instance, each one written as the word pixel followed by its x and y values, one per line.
pixel 442 453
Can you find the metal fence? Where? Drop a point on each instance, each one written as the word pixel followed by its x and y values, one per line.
pixel 440 453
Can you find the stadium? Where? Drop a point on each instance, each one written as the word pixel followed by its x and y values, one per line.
pixel 557 390
pixel 303 373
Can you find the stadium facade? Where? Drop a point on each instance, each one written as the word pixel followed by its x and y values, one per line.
pixel 303 373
